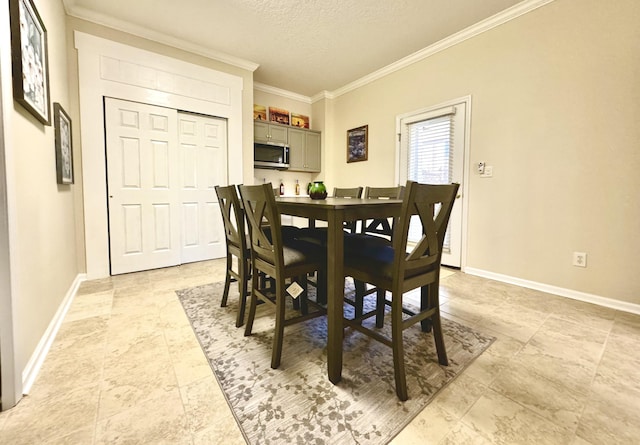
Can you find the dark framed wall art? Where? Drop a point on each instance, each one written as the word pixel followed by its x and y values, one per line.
pixel 29 59
pixel 64 148
pixel 357 144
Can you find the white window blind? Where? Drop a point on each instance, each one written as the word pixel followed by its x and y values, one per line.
pixel 430 145
pixel 430 158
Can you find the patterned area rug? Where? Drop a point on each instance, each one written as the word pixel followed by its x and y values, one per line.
pixel 296 403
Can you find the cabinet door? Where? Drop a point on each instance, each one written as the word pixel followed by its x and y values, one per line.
pixel 264 132
pixel 312 149
pixel 278 134
pixel 261 132
pixel 296 149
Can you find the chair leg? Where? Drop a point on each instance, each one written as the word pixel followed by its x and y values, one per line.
pixel 253 303
pixel 426 304
pixel 398 348
pixel 439 339
pixel 304 296
pixel 278 335
pixel 243 272
pixel 296 301
pixel 380 307
pixel 361 288
pixel 428 300
pixel 227 282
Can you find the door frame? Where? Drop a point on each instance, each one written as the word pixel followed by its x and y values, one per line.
pixel 464 192
pixel 107 68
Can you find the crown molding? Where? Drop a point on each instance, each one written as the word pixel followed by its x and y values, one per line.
pixel 280 92
pixel 322 95
pixel 141 31
pixel 459 37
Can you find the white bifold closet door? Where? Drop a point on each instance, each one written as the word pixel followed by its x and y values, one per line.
pixel 162 167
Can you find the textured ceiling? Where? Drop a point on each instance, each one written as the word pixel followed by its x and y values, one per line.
pixel 305 47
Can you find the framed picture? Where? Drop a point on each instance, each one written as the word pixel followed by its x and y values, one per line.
pixel 299 120
pixel 357 144
pixel 278 115
pixel 64 149
pixel 30 59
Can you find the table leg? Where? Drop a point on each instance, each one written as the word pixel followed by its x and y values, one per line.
pixel 335 294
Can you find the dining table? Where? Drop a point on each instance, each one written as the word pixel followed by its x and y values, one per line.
pixel 335 211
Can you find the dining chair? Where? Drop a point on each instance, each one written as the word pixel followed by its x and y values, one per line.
pixel 353 192
pixel 373 231
pixel 318 236
pixel 398 270
pixel 281 260
pixel 381 227
pixel 238 246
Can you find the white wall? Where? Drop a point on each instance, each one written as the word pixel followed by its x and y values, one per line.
pixel 111 69
pixel 556 99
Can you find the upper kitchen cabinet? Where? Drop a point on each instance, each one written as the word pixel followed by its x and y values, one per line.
pixel 304 150
pixel 274 133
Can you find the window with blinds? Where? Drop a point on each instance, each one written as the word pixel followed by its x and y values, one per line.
pixel 430 159
pixel 430 145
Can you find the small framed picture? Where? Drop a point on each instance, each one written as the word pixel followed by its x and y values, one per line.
pixel 259 112
pixel 64 149
pixel 30 59
pixel 279 115
pixel 357 144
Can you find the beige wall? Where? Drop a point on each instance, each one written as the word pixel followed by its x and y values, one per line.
pixel 555 103
pixel 42 229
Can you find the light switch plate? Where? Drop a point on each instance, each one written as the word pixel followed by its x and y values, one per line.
pixel 488 172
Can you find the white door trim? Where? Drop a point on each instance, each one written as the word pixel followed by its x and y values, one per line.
pixel 465 173
pixel 107 68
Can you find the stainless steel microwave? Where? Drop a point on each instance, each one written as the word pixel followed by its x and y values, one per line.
pixel 268 155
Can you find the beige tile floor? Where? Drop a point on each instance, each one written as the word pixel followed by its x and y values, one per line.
pixel 127 368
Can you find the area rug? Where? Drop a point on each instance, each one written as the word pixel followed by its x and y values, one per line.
pixel 296 403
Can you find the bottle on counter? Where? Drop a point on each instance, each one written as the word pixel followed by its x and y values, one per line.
pixel 297 187
pixel 281 188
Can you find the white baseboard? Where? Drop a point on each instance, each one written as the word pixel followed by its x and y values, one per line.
pixel 34 364
pixel 560 291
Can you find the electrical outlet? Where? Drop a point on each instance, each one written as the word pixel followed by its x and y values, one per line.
pixel 580 259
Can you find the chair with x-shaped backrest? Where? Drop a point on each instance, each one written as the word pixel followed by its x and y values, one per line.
pixel 401 267
pixel 374 230
pixel 279 258
pixel 237 242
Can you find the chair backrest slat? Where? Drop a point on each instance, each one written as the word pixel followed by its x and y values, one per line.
pixel 232 215
pixel 423 200
pixel 264 223
pixel 354 192
pixel 381 226
pixel 384 192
